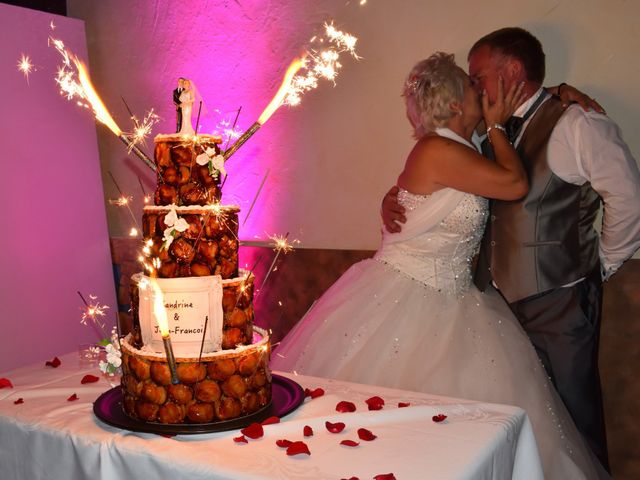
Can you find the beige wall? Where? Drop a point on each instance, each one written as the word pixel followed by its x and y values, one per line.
pixel 334 156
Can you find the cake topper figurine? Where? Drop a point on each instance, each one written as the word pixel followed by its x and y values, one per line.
pixel 176 101
pixel 187 97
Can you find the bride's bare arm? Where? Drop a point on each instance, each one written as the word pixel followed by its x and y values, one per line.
pixel 446 163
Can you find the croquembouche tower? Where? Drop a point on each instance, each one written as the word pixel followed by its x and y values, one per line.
pixel 194 355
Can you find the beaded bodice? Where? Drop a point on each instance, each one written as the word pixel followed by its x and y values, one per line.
pixel 440 255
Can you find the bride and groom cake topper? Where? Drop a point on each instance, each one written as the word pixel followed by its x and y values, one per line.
pixel 183 98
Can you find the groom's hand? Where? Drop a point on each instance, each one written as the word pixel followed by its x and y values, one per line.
pixel 392 212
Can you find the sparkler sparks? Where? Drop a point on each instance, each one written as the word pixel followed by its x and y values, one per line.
pixel 142 129
pixel 321 62
pixel 316 63
pixel 281 243
pixel 25 66
pixel 93 311
pixel 75 84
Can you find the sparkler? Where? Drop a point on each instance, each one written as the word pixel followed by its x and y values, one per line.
pixel 75 83
pixel 93 311
pixel 163 324
pixel 280 245
pixel 123 201
pixel 315 64
pixel 25 66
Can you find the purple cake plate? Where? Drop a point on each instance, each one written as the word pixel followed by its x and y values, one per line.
pixel 286 396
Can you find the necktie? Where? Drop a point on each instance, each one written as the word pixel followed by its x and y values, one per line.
pixel 513 126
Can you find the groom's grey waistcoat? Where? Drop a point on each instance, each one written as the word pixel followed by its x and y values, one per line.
pixel 546 239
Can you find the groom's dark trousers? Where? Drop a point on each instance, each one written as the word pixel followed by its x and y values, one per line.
pixel 564 327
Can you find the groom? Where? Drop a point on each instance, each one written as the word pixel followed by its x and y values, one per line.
pixel 542 252
pixel 176 101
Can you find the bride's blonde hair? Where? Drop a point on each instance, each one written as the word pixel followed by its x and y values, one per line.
pixel 429 90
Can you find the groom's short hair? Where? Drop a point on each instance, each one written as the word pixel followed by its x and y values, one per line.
pixel 517 43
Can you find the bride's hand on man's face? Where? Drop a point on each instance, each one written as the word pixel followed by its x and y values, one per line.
pixel 504 106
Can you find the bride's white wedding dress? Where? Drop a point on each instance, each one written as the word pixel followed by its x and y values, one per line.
pixel 411 318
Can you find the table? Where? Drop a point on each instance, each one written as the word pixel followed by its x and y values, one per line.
pixel 46 436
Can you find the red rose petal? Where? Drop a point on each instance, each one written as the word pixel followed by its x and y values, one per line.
pixel 297 448
pixel 375 403
pixel 19 401
pixel 283 443
pixel 5 382
pixel 318 392
pixel 167 435
pixel 439 418
pixel 253 431
pixel 55 363
pixel 385 476
pixel 72 398
pixel 349 443
pixel 271 421
pixel 345 407
pixel 89 379
pixel 366 435
pixel 350 478
pixel 403 404
pixel 307 431
pixel 334 427
pixel 240 439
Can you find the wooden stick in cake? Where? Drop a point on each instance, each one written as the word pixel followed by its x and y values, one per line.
pixel 163 324
pixel 198 117
pixel 264 179
pixel 204 335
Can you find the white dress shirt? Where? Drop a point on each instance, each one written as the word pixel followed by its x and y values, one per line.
pixel 588 147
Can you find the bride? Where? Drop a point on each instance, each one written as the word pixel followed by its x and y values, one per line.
pixel 411 317
pixel 187 97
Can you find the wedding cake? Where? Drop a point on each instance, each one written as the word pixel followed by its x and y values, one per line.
pixel 196 288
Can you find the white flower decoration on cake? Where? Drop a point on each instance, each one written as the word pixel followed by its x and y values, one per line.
pixel 174 224
pixel 215 162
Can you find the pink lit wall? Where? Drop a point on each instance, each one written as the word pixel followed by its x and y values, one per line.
pixel 331 158
pixel 54 239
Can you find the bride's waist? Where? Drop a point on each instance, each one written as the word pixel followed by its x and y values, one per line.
pixel 443 273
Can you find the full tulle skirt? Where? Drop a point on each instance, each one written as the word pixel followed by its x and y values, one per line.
pixel 376 325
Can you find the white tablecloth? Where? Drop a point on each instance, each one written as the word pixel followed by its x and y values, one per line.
pixel 49 437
